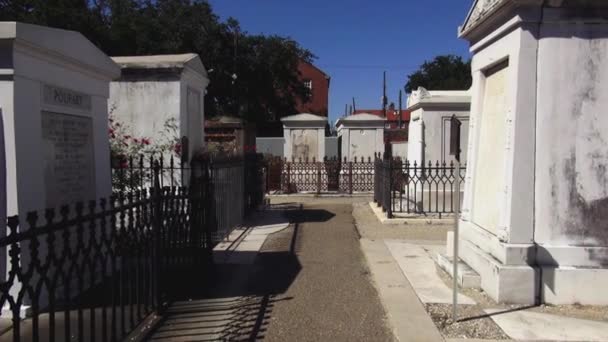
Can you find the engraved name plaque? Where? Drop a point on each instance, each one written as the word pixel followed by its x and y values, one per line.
pixel 66 97
pixel 69 169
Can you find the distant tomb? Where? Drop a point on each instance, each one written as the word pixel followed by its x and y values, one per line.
pixel 304 136
pixel 360 136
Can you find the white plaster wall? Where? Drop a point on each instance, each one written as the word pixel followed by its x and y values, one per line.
pixel 429 134
pixel 287 152
pixel 415 144
pixel 513 203
pixel 379 140
pixel 6 103
pixel 490 165
pixel 445 138
pixel 572 137
pixel 30 73
pixel 362 143
pixel 432 137
pixel 193 114
pixel 271 146
pixel 304 143
pixel 400 150
pixel 146 106
pixel 437 134
pixel 321 142
pixel 344 143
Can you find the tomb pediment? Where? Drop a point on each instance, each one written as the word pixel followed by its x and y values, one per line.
pixel 480 10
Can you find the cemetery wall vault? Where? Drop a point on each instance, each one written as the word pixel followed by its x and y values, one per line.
pixel 535 216
pixel 53 93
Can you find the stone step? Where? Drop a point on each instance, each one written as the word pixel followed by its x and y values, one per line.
pixel 467 277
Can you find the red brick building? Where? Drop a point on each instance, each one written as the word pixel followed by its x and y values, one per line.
pixel 317 103
pixel 318 82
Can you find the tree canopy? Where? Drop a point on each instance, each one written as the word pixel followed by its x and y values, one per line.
pixel 442 73
pixel 267 81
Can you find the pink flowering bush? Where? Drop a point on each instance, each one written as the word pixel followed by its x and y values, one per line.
pixel 124 148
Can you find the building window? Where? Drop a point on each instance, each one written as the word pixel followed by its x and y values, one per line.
pixel 308 84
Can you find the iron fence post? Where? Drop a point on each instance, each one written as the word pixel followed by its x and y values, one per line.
pixel 389 209
pixel 207 206
pixel 350 177
pixel 288 184
pixel 318 177
pixel 157 226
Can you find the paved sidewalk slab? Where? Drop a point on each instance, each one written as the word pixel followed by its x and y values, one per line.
pixel 407 315
pixel 419 268
pixel 243 244
pixel 536 326
pixel 410 219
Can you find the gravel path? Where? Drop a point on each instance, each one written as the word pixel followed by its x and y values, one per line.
pixel 331 297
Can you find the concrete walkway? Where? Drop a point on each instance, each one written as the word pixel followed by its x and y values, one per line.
pixel 308 283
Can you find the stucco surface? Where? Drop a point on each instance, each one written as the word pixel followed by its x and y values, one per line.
pixel 362 143
pixel 272 146
pixel 414 144
pixel 490 157
pixel 145 106
pixel 572 136
pixel 304 143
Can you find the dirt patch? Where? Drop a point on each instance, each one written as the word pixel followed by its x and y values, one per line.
pixel 475 325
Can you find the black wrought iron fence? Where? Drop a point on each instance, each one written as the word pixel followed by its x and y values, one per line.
pixel 232 184
pixel 94 271
pixel 405 187
pixel 328 175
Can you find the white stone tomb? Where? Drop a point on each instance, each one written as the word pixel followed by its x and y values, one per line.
pixel 429 127
pixel 535 217
pixel 304 136
pixel 360 136
pixel 54 88
pixel 154 90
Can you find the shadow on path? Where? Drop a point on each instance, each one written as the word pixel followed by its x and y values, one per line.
pixel 235 302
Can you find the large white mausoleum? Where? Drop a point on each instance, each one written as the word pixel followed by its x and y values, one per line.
pixel 535 217
pixel 54 88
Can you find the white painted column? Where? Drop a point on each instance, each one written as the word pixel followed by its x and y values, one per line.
pixel 287 143
pixel 474 117
pixel 321 143
pixel 518 221
pixel 379 140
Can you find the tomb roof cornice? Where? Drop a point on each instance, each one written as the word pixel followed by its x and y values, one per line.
pixel 66 48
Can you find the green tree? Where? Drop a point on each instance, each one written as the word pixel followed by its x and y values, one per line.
pixel 442 73
pixel 267 81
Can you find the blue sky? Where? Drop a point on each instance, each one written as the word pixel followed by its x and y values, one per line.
pixel 356 40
